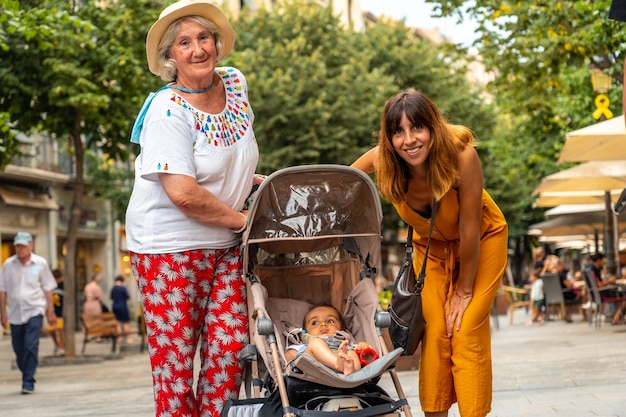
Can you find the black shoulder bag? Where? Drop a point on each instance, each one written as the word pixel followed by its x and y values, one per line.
pixel 407 320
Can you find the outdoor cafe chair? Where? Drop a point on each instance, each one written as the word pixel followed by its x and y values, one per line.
pixel 553 293
pixel 594 294
pixel 517 298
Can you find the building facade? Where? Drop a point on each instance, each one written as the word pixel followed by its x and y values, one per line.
pixel 36 193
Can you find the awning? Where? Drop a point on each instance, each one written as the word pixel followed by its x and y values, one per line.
pixel 19 197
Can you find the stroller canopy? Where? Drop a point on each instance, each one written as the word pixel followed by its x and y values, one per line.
pixel 314 207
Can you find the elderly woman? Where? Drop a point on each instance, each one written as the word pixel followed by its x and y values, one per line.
pixel 185 216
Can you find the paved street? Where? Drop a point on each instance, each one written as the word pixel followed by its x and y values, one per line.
pixel 557 369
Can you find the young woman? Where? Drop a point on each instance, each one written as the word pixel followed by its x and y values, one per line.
pixel 420 158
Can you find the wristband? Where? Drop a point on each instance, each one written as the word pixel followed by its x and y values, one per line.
pixel 245 224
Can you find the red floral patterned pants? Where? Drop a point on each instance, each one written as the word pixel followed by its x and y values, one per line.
pixel 186 297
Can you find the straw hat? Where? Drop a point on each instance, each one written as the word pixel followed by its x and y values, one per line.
pixel 180 9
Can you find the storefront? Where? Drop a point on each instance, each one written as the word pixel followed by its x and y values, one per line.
pixel 43 211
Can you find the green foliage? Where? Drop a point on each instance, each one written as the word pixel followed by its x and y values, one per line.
pixel 315 99
pixel 109 182
pixel 120 64
pixel 76 72
pixel 438 71
pixel 40 71
pixel 8 143
pixel 541 52
pixel 317 89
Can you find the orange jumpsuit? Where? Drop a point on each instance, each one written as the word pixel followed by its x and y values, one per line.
pixel 457 368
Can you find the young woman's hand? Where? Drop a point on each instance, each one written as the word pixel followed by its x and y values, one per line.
pixel 457 304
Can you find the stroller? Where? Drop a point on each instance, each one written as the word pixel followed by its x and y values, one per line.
pixel 314 238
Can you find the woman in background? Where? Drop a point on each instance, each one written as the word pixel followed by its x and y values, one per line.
pixel 119 296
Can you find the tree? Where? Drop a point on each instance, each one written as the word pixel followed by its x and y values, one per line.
pixel 536 41
pixel 317 89
pixel 109 181
pixel 74 73
pixel 314 97
pixel 8 143
pixel 540 52
pixel 439 71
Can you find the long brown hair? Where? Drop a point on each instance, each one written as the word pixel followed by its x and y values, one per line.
pixel 446 140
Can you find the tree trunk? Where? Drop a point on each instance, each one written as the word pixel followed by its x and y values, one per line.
pixel 69 296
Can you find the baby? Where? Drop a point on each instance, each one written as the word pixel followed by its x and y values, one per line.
pixel 322 322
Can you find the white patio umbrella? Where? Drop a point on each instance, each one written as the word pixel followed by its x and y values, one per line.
pixel 589 176
pixel 574 209
pixel 572 242
pixel 562 226
pixel 588 245
pixel 585 224
pixel 556 198
pixel 570 225
pixel 598 142
pixel 608 177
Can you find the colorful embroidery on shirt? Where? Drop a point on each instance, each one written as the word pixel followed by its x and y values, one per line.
pixel 228 127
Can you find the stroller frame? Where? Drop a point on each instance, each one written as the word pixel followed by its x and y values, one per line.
pixel 310 225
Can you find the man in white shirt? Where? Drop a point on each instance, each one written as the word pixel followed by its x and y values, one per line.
pixel 26 285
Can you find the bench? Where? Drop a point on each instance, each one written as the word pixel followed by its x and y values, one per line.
pixel 99 326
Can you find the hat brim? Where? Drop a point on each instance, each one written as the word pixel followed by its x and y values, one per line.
pixel 21 242
pixel 197 8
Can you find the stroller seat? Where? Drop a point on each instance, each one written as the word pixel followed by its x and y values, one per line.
pixel 314 238
pixel 287 316
pixel 308 368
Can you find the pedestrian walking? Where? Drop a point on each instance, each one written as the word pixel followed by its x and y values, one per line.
pixel 26 285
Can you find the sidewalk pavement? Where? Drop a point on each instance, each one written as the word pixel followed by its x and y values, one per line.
pixel 554 370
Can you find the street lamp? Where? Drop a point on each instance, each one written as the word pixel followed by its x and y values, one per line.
pixel 600 81
pixel 601 84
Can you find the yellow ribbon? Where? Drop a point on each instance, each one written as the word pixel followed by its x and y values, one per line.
pixel 602 107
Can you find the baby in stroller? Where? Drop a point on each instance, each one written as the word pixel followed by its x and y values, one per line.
pixel 322 341
pixel 314 238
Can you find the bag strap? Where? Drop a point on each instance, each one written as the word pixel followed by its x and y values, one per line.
pixel 419 282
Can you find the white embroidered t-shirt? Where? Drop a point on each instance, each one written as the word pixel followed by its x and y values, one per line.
pixel 218 150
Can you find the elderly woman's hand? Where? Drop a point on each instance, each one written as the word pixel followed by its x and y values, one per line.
pixel 258 179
